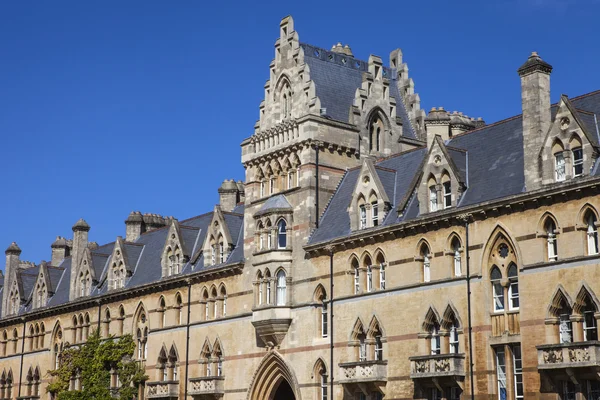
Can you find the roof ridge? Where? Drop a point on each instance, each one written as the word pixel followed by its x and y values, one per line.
pixel 399 154
pixel 195 217
pixel 384 168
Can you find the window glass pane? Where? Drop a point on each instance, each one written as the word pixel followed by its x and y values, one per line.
pixel 559 165
pixel 501 374
pixel 447 195
pixel 577 161
pixel 518 372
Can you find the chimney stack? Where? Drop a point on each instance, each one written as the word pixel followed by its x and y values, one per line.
pixel 12 263
pixel 60 250
pixel 229 195
pixel 134 226
pixel 535 98
pixel 80 242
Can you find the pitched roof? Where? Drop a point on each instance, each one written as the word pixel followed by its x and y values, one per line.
pixel 274 204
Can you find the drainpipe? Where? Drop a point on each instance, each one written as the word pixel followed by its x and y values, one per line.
pixel 331 319
pixel 187 336
pixel 317 186
pixel 466 219
pixel 22 355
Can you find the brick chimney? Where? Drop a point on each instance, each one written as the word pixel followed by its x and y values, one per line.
pixel 535 98
pixel 229 195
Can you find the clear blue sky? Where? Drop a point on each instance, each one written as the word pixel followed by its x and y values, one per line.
pixel 108 107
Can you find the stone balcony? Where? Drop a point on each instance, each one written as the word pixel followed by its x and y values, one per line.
pixel 438 370
pixel 363 375
pixel 207 387
pixel 272 323
pixel 163 390
pixel 568 362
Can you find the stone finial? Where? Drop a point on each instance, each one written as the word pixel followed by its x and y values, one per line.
pixel 534 64
pixel 13 249
pixel 81 225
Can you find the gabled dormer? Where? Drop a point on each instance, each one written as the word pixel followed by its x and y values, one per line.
pixel 370 202
pixel 174 254
pixel 14 298
pixel 217 243
pixel 119 269
pixel 42 288
pixel 569 149
pixel 86 274
pixel 443 179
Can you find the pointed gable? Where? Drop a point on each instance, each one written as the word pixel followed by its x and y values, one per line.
pixel 176 252
pixel 120 267
pixel 370 201
pixel 570 146
pixel 218 242
pixel 442 180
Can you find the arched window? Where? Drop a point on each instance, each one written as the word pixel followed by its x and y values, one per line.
pixel 162 312
pixel 121 319
pixel 367 264
pixel 268 286
pixel 223 295
pixel 320 375
pixel 281 288
pixel 431 326
pixel 259 284
pixel 356 275
pixel 179 306
pixel 141 334
pixel 269 235
pixel 456 258
pixel 374 209
pixel 591 233
pixel 173 367
pixel 362 213
pixel 217 355
pixel 513 287
pixel 206 304
pixel 261 236
pixel 214 301
pixel 106 322
pixel 57 346
pixel 376 129
pixel 281 234
pixel 551 244
pixel 425 255
pixel 447 190
pixel 497 289
pixel 205 357
pixel 9 384
pixel 320 298
pixel 433 198
pixel 560 168
pixel 4 344
pixel 163 373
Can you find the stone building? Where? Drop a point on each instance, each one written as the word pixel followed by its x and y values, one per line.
pixel 372 252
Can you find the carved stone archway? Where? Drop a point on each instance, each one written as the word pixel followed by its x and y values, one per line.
pixel 274 380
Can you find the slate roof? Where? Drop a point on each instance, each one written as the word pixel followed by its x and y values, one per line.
pixel 143 256
pixel 274 203
pixel 337 76
pixel 490 160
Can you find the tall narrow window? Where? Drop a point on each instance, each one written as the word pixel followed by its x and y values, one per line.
pixel 501 374
pixel 369 278
pixel 565 327
pixel 272 185
pixel 375 213
pixel 457 259
pixel 363 216
pixel 426 263
pixel 324 317
pixel 323 385
pixel 513 287
pixel 260 288
pixel 213 254
pixel 281 288
pixel 577 161
pixel 362 348
pixel 378 348
pixel 433 206
pixel 290 180
pixel 560 171
pixel 262 188
pixel 551 240
pixel 162 312
pixel 569 391
pixel 281 234
pixel 447 194
pixel 382 276
pixel 179 309
pixel 592 233
pixel 518 371
pixel 356 280
pixel 593 390
pixel 454 338
pixel 590 331
pixel 268 286
pixel 221 253
pixel 269 236
pixel 435 339
pixel 497 289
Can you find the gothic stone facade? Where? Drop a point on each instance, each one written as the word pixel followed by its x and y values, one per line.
pixel 373 251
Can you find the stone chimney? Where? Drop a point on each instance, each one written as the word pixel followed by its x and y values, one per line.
pixel 80 242
pixel 60 250
pixel 12 263
pixel 229 195
pixel 338 48
pixel 437 123
pixel 535 99
pixel 134 226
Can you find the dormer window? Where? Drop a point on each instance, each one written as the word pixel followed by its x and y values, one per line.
pixel 433 205
pixel 447 194
pixel 375 213
pixel 577 161
pixel 560 169
pixel 363 216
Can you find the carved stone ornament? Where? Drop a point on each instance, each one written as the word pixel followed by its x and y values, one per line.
pixel 442 365
pixel 552 356
pixel 564 123
pixel 579 355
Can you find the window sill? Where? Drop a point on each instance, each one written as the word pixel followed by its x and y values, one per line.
pixel 285 250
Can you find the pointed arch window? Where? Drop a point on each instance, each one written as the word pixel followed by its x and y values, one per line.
pixel 457 262
pixel 282 234
pixel 425 255
pixel 163 373
pixel 268 281
pixel 281 288
pixel 363 216
pixel 323 383
pixel 551 243
pixel 179 306
pixel 435 338
pixel 380 260
pixel 376 133
pixel 367 264
pixel 269 236
pixel 261 236
pixel 206 304
pixel 591 233
pixel 433 203
pixel 560 167
pixel 374 210
pixel 513 287
pixel 173 368
pixel 356 275
pixel 497 289
pixel 453 339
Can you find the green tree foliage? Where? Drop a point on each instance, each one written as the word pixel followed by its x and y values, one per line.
pixel 93 362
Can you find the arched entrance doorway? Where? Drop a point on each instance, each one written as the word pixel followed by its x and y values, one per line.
pixel 284 392
pixel 274 380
